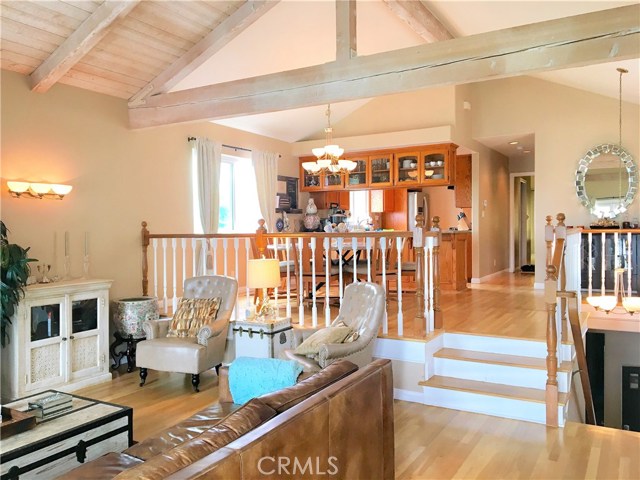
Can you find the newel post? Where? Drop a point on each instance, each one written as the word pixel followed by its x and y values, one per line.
pixel 418 245
pixel 437 313
pixel 551 391
pixel 145 264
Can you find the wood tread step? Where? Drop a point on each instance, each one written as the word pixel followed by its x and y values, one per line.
pixel 492 389
pixel 498 359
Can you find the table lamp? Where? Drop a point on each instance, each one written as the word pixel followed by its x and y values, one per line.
pixel 263 273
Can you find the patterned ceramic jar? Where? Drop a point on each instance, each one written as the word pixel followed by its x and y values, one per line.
pixel 130 313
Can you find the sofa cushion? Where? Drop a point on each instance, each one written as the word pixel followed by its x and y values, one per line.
pixel 243 420
pixel 192 314
pixel 102 468
pixel 183 431
pixel 311 346
pixel 286 398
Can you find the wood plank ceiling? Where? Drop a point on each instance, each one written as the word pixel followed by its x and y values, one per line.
pixel 136 48
pixel 139 50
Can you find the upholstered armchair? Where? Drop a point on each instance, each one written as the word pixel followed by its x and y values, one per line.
pixel 192 355
pixel 363 308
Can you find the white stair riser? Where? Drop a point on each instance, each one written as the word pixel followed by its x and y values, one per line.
pixel 494 373
pixel 505 346
pixel 489 405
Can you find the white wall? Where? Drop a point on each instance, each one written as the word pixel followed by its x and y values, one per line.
pixel 566 122
pixel 120 177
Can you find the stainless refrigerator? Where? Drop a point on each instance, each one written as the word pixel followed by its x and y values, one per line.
pixel 417 203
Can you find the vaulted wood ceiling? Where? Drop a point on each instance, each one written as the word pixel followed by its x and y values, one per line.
pixel 140 50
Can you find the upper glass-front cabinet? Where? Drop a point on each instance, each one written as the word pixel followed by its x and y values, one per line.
pixel 437 164
pixel 407 168
pixel 357 178
pixel 380 172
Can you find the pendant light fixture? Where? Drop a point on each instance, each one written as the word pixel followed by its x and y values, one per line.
pixel 328 157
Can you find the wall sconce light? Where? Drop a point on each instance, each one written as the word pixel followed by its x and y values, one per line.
pixel 38 190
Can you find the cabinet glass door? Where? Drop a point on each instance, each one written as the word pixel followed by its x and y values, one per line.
pixel 407 171
pixel 380 171
pixel 332 181
pixel 435 167
pixel 311 180
pixel 45 321
pixel 358 177
pixel 84 315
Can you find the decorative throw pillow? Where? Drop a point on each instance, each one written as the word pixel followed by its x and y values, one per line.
pixel 311 346
pixel 192 314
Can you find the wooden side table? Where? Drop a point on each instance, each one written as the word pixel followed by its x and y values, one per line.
pixel 262 338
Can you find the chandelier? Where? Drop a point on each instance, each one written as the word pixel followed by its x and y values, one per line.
pixel 607 303
pixel 328 157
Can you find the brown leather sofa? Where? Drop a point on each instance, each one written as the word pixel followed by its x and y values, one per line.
pixel 337 423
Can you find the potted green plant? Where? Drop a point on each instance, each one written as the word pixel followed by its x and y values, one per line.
pixel 15 271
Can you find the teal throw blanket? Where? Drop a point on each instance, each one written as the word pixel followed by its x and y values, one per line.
pixel 251 377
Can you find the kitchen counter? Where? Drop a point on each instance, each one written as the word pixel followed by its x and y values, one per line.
pixel 455 259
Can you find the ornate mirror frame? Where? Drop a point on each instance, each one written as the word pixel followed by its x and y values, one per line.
pixel 629 165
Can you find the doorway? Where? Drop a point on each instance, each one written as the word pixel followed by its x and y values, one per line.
pixel 522 241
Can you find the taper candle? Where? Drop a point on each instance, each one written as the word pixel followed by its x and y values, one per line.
pixel 66 244
pixel 86 243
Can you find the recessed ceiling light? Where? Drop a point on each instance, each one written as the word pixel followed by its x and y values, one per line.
pixel 513 143
pixel 526 151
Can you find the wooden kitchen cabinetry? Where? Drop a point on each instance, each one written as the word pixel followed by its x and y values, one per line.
pixel 379 169
pixel 426 165
pixel 453 260
pixel 437 165
pixel 323 200
pixel 463 181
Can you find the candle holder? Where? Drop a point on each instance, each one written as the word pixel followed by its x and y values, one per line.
pixel 85 267
pixel 67 268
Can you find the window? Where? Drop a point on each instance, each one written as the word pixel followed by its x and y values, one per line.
pixel 238 196
pixel 359 203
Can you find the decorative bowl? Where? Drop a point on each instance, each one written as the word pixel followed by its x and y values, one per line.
pixel 438 175
pixel 428 173
pixel 412 174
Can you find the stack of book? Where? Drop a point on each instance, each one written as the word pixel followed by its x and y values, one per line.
pixel 51 405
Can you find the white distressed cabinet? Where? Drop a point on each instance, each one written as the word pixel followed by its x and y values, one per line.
pixel 58 339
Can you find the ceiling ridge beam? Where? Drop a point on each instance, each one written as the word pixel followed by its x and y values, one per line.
pixel 346 41
pixel 568 42
pixel 420 19
pixel 227 30
pixel 79 43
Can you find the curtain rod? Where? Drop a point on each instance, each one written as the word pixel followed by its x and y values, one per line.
pixel 230 146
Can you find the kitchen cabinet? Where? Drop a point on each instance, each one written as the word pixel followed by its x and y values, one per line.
pixel 425 165
pixel 437 165
pixel 454 256
pixel 321 181
pixel 379 169
pixel 463 181
pixel 59 338
pixel 358 177
pixel 407 171
pixel 323 200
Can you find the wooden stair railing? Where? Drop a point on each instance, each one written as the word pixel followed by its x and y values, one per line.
pixel 554 288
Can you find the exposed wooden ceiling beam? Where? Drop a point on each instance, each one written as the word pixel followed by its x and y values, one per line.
pixel 591 38
pixel 346 45
pixel 79 43
pixel 420 19
pixel 229 29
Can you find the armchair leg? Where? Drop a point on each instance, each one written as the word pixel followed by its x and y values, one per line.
pixel 217 367
pixel 195 381
pixel 143 376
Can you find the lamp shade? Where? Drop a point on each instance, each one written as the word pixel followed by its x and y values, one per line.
pixel 263 273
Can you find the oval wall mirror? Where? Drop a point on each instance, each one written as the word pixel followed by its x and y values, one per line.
pixel 607 180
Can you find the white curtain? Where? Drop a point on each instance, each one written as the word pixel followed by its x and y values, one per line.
pixel 265 166
pixel 208 159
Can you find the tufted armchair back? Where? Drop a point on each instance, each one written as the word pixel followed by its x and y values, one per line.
pixel 363 307
pixel 212 286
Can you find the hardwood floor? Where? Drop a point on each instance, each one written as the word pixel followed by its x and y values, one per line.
pixel 432 442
